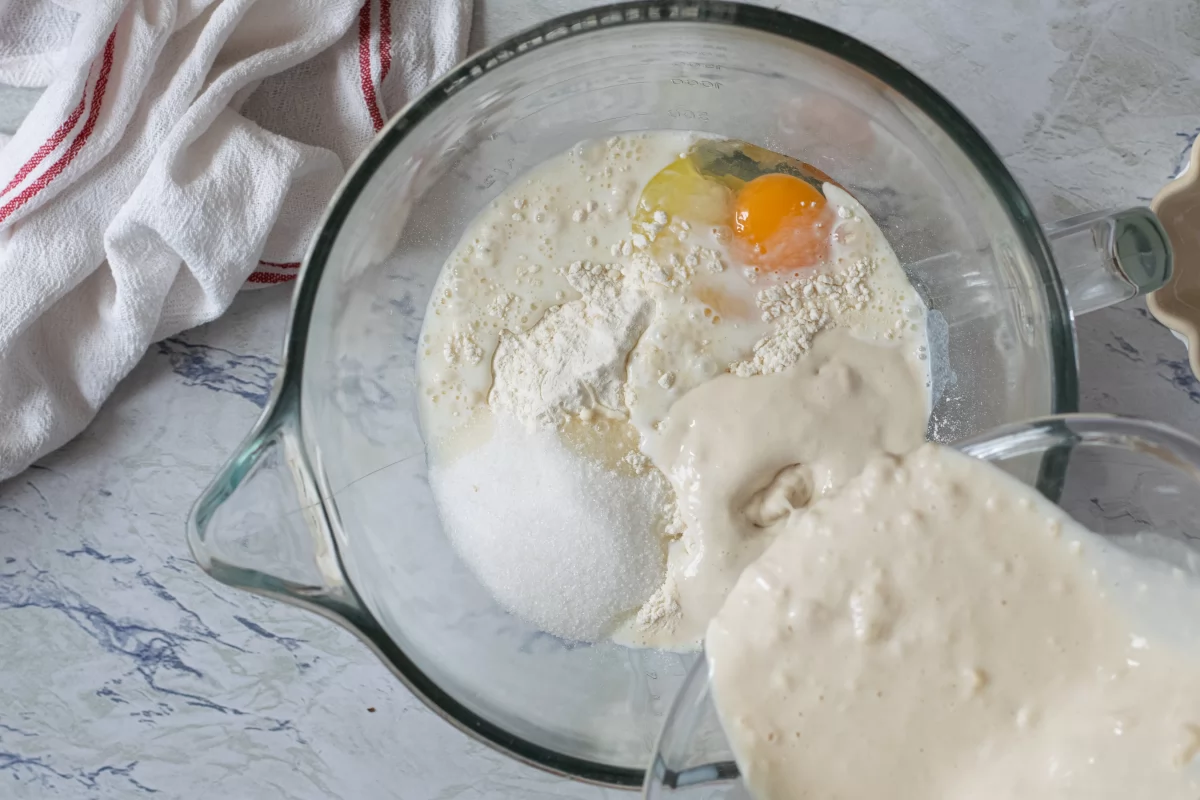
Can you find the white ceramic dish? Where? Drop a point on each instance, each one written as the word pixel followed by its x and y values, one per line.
pixel 1177 305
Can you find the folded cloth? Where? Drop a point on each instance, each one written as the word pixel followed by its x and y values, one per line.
pixel 182 150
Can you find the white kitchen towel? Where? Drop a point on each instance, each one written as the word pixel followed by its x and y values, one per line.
pixel 182 150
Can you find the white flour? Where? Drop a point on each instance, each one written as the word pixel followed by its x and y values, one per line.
pixel 661 610
pixel 801 309
pixel 573 360
pixel 462 348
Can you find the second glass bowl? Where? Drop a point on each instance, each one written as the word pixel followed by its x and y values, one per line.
pixel 1134 481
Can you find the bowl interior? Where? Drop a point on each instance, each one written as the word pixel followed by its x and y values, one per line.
pixel 1000 339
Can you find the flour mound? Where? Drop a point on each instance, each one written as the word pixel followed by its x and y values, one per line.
pixel 574 358
pixel 799 310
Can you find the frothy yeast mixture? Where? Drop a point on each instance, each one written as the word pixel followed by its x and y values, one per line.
pixel 939 630
pixel 605 334
pixel 742 453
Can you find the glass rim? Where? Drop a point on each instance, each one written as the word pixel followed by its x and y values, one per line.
pixel 285 400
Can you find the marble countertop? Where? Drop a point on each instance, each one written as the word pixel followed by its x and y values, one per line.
pixel 126 671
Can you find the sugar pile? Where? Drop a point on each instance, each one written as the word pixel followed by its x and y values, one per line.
pixel 560 541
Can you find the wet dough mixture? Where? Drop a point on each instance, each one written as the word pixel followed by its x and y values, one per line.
pixel 939 630
pixel 742 453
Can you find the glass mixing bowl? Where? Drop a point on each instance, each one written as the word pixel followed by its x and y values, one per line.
pixel 1134 481
pixel 328 506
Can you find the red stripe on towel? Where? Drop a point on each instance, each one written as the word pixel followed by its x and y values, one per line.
pixel 49 145
pixel 269 277
pixel 385 40
pixel 44 180
pixel 364 65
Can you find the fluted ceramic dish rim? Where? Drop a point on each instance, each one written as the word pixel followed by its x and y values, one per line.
pixel 1166 304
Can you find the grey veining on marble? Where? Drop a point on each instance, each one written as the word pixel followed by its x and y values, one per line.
pixel 126 672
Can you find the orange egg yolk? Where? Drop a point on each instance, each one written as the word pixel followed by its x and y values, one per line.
pixel 782 221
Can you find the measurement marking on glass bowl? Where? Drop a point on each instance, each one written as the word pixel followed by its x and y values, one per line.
pixel 694 82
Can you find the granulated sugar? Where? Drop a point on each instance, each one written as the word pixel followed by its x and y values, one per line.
pixel 559 540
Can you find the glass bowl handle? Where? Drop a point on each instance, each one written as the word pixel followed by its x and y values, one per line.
pixel 261 525
pixel 1107 257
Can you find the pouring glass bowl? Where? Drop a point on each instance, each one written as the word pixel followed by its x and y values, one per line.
pixel 1134 481
pixel 327 505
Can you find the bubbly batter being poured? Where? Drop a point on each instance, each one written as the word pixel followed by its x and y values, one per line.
pixel 939 630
